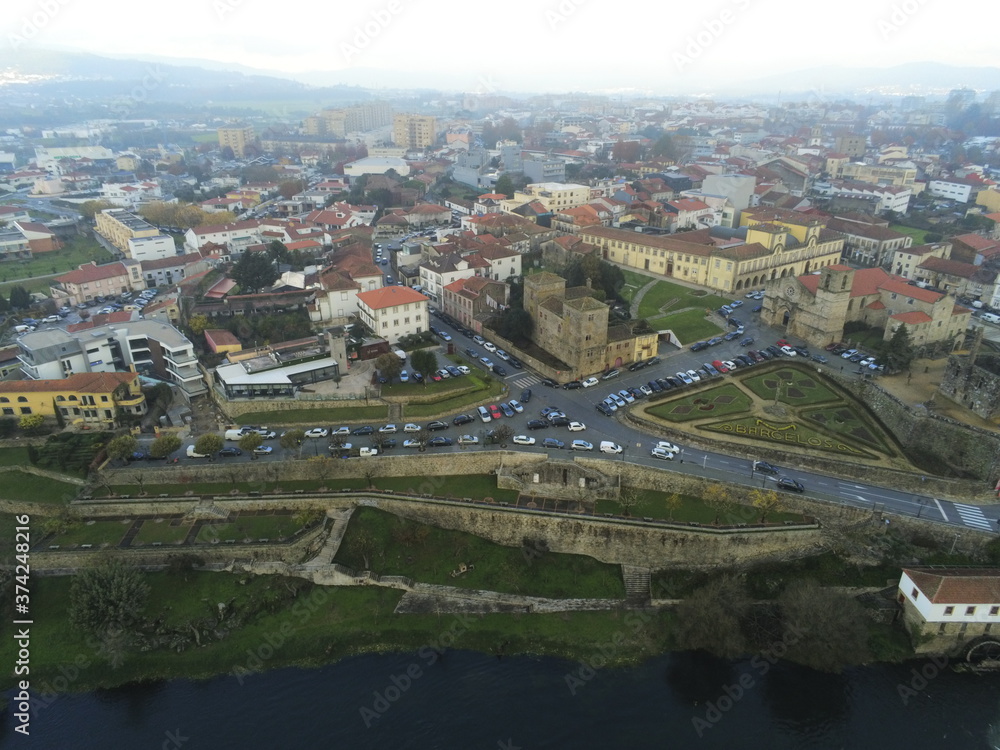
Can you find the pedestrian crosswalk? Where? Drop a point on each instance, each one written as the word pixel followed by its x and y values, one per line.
pixel 526 381
pixel 973 516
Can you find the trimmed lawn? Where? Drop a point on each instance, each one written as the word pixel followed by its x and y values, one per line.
pixel 249 527
pixel 719 401
pixel 14 456
pixel 918 235
pixel 853 427
pixel 491 389
pixel 96 533
pixel 165 531
pixel 795 433
pixel 31 488
pixel 666 296
pixel 791 385
pixel 327 415
pixel 76 251
pixel 689 326
pixel 443 388
pixel 397 546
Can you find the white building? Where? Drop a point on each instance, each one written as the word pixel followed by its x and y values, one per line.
pixel 237 236
pixel 954 189
pixel 131 194
pixel 376 165
pixel 956 603
pixel 151 248
pixel 146 346
pixel 393 311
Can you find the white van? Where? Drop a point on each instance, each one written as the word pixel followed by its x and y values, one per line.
pixel 192 454
pixel 608 447
pixel 234 434
pixel 401 354
pixel 991 318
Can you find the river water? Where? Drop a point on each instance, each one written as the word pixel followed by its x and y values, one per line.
pixel 472 701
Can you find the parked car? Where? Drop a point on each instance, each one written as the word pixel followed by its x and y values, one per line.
pixel 317 432
pixel 589 382
pixel 366 430
pixel 525 395
pixel 468 440
pixel 515 406
pixel 263 450
pixel 439 442
pixel 537 424
pixel 463 419
pixel 387 429
pixel 819 358
pixel 576 427
pixel 605 409
pixel 411 427
pixel 553 443
pixel 572 385
pixel 611 374
pixel 523 440
pixel 661 454
pixel 746 341
pixel 581 445
pixel 437 425
pixel 549 383
pixel 507 410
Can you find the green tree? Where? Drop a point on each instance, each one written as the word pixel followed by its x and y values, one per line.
pixel 208 445
pixel 515 324
pixel 710 619
pixel 198 323
pixel 250 441
pixel 253 272
pixel 291 440
pixel 20 299
pixel 389 365
pixel 664 147
pixel 291 187
pixel 899 351
pixel 107 598
pixel 504 185
pixel 424 361
pixel 89 209
pixel 164 445
pixel 31 423
pixel 121 447
pixel 278 252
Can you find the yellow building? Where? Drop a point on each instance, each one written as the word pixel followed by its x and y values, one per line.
pixel 414 131
pixel 127 162
pixel 555 196
pixel 784 245
pixel 237 139
pixel 990 199
pixel 118 226
pixel 879 175
pixel 89 397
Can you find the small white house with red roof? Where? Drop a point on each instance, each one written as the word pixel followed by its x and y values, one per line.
pixel 952 603
pixel 393 312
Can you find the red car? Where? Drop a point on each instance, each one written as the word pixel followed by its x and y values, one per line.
pixel 495 412
pixel 717 364
pixel 781 342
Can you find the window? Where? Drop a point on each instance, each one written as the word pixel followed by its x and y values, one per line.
pixel 994 611
pixel 26 410
pixel 4 400
pixel 22 400
pixel 7 411
pixel 948 611
pixel 104 399
pixel 915 594
pixel 970 611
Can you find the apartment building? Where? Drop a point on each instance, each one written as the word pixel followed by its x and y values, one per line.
pixel 393 311
pixel 90 281
pixel 144 346
pixel 237 138
pixel 118 226
pixel 554 196
pixel 414 131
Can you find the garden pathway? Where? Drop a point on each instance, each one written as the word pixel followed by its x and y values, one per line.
pixel 429 598
pixel 637 299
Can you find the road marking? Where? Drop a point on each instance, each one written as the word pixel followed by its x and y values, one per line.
pixel 938 504
pixel 972 515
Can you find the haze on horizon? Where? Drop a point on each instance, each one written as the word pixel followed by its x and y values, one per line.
pixel 521 45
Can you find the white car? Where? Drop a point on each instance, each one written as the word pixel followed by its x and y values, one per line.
pixel 523 440
pixel 341 431
pixel 387 429
pixel 317 432
pixel 463 369
pixel 410 427
pixel 576 427
pixel 693 374
pixel 468 440
pixel 788 351
pixel 581 445
pixel 590 382
pixel 684 377
pixel 411 443
pixel 662 454
pixel 516 406
pixel 663 445
pixel 490 347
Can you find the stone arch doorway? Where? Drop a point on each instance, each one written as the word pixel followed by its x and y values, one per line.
pixel 785 316
pixel 739 285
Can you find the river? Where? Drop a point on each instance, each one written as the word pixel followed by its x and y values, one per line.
pixel 471 701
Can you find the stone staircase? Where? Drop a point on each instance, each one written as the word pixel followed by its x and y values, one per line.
pixel 637 585
pixel 324 557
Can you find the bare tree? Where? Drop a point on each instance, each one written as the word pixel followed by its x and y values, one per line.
pixel 824 629
pixel 503 434
pixel 629 497
pixel 138 476
pixel 710 619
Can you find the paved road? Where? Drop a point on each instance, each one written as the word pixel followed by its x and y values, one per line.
pixel 579 405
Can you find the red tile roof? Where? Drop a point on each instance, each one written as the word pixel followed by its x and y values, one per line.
pixel 91 272
pixel 390 296
pixel 84 382
pixel 957 585
pixel 913 317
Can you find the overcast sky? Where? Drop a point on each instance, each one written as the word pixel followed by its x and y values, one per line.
pixel 522 44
